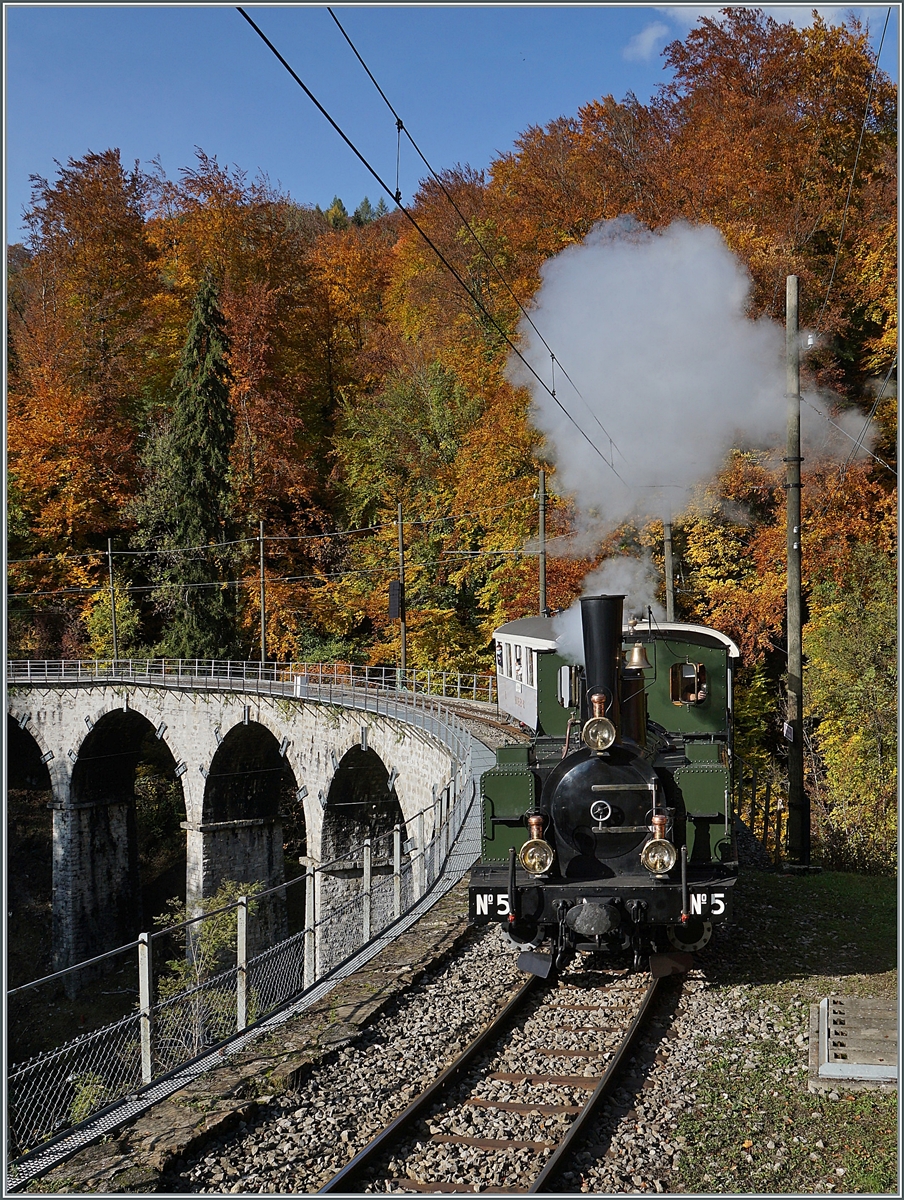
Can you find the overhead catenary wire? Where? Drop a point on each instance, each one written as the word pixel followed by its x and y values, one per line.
pixel 403 128
pixel 252 581
pixel 866 424
pixel 856 441
pixel 51 559
pixel 436 250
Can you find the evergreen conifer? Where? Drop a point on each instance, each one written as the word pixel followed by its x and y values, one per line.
pixel 187 498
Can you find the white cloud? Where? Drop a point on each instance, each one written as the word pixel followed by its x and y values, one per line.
pixel 686 16
pixel 643 45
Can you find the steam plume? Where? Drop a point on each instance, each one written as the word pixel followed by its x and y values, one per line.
pixel 653 329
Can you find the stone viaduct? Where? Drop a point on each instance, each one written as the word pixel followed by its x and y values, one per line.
pixel 234 753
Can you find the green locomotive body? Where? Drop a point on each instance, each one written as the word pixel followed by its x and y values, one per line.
pixel 613 829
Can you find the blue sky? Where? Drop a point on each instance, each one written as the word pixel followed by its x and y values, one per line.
pixel 158 80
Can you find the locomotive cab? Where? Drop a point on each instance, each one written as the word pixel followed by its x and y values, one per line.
pixel 613 830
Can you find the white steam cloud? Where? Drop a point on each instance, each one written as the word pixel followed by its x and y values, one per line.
pixel 652 327
pixel 633 578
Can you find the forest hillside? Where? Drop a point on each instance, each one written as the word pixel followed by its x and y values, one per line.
pixel 194 360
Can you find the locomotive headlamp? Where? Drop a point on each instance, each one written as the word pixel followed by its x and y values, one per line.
pixel 658 856
pixel 536 856
pixel 598 734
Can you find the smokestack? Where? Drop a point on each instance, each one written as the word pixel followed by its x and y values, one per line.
pixel 601 618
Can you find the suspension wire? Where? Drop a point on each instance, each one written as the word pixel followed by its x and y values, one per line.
pixel 398 158
pixel 252 582
pixel 850 438
pixel 847 202
pixel 868 421
pixel 401 127
pixel 842 474
pixel 439 254
pixel 50 560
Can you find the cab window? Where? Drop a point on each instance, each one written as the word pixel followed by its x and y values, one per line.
pixel 688 683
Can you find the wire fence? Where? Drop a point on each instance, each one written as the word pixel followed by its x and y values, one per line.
pixel 213 988
pixel 762 805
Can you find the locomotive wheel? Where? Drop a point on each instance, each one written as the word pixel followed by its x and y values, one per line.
pixel 692 935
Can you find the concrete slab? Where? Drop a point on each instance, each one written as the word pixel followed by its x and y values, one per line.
pixel 853 1045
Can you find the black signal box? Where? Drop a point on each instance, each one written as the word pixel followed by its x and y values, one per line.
pixel 396 600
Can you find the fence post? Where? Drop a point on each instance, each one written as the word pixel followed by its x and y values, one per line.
pixel 779 808
pixel 368 887
pixel 310 933
pixel 443 843
pixel 241 957
pixel 766 813
pixel 753 791
pixel 397 871
pixel 145 1002
pixel 422 852
pixel 740 793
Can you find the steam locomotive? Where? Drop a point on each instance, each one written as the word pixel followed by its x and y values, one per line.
pixel 613 830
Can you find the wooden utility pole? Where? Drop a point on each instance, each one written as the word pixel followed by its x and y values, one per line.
pixel 402 594
pixel 669 572
pixel 112 599
pixel 798 804
pixel 544 611
pixel 263 601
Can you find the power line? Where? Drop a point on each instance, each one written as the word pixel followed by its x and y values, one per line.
pixel 439 254
pixel 58 559
pixel 489 258
pixel 252 581
pixel 868 421
pixel 857 441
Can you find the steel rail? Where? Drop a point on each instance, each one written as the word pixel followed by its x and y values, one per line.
pixel 373 1149
pixel 575 1130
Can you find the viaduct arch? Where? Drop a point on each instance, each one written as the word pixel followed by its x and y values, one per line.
pixel 236 757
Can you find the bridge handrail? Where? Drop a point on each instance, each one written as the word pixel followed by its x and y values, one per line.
pixel 418 681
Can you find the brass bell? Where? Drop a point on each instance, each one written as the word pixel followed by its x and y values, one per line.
pixel 636 658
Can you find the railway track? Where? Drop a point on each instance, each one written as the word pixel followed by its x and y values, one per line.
pixel 483 1125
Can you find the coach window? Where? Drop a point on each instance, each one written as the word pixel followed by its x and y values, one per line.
pixel 688 683
pixel 508 660
pixel 499 656
pixel 519 653
pixel 530 666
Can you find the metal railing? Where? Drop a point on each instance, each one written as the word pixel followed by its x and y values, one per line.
pixel 55 1090
pixel 256 676
pixel 762 806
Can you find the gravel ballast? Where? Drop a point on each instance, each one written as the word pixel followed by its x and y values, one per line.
pixel 715 1100
pixel 300 1140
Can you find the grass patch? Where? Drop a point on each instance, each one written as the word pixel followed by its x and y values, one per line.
pixel 754 1127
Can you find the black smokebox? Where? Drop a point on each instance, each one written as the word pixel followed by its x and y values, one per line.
pixel 601 619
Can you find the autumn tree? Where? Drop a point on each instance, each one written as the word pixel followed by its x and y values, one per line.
pixel 851 708
pixel 79 328
pixel 80 336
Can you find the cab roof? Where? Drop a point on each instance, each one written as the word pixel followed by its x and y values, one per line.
pixel 536 632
